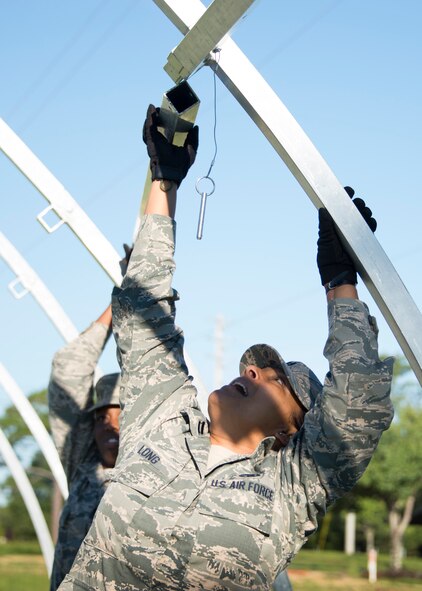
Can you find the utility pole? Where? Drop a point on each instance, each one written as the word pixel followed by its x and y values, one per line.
pixel 219 351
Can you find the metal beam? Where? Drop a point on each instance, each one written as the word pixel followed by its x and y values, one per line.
pixel 30 500
pixel 72 214
pixel 316 178
pixel 209 31
pixel 36 427
pixel 61 202
pixel 31 283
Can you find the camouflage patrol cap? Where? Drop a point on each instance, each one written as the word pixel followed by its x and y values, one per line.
pixel 301 378
pixel 107 391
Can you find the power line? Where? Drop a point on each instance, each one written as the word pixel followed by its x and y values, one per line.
pixel 298 33
pixel 57 58
pixel 79 64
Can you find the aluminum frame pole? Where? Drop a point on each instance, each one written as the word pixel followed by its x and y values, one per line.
pixel 36 427
pixel 316 178
pixel 71 213
pixel 30 500
pixel 31 283
pixel 61 202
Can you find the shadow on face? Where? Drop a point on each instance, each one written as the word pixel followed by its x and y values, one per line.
pixel 106 434
pixel 256 405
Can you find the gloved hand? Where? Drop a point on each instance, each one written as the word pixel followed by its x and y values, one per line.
pixel 332 259
pixel 167 161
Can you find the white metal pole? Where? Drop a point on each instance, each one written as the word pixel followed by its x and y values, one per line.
pixel 61 202
pixel 36 427
pixel 30 281
pixel 30 500
pixel 315 177
pixel 71 213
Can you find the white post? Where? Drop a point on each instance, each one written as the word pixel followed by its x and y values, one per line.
pixel 372 565
pixel 219 351
pixel 350 534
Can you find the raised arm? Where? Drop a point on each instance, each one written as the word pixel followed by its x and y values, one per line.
pixel 343 427
pixel 70 393
pixel 150 345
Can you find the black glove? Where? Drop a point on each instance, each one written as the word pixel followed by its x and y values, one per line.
pixel 332 259
pixel 167 161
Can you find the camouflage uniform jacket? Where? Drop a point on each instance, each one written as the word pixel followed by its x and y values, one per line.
pixel 70 392
pixel 167 522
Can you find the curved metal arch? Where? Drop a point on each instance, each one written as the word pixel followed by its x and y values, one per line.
pixel 61 202
pixel 36 427
pixel 30 500
pixel 308 167
pixel 31 283
pixel 70 212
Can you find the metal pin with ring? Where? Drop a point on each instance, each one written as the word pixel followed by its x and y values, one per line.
pixel 204 195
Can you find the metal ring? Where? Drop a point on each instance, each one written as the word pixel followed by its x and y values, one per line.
pixel 202 192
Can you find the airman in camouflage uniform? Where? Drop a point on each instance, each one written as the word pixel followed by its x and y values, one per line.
pixel 84 435
pixel 219 507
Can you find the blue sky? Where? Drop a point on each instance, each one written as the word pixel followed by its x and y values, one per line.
pixel 76 79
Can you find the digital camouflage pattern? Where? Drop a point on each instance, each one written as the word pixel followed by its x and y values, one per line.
pixel 70 393
pixel 168 523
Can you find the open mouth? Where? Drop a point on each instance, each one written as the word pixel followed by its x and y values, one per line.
pixel 112 440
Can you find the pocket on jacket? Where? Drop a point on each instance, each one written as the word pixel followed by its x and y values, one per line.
pixel 236 518
pixel 146 470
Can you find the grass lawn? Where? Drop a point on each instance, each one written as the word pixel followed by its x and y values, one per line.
pixel 312 570
pixel 22 569
pixel 23 572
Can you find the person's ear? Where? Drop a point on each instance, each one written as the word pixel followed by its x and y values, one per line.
pixel 252 372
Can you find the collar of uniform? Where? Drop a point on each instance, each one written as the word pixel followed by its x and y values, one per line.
pixel 199 449
pixel 255 458
pixel 263 450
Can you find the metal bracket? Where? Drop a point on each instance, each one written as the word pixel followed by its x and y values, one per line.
pixel 18 294
pixel 44 224
pixel 208 32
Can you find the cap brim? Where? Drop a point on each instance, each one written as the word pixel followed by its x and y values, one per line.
pixel 101 405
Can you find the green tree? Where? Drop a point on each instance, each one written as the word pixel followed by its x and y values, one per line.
pixel 394 475
pixel 14 426
pixel 15 522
